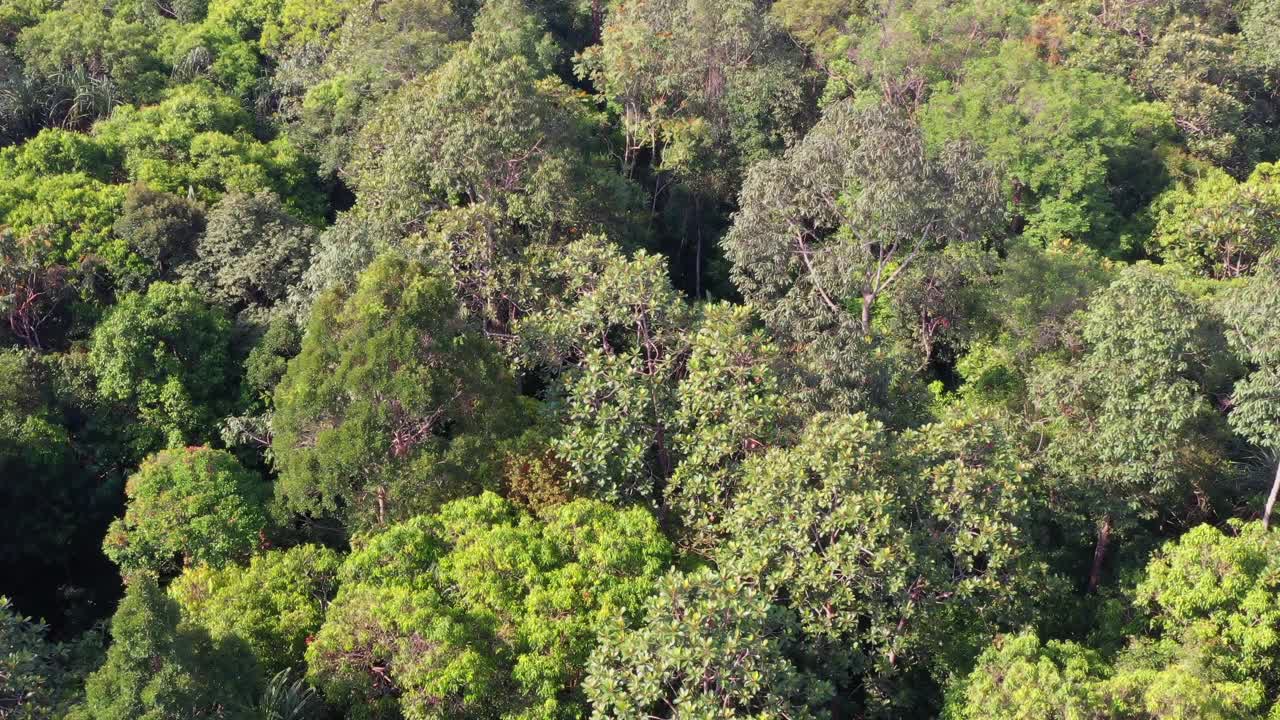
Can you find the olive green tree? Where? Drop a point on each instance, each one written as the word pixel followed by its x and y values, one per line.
pixel 161 229
pixel 251 253
pixel 826 231
pixel 1209 648
pixel 611 328
pixel 1129 419
pixel 898 553
pixel 492 126
pixel 1252 314
pixel 1021 677
pixel 394 405
pixel 731 405
pixel 41 678
pixel 707 87
pixel 710 645
pixel 1076 149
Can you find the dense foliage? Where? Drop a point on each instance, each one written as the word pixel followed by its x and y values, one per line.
pixel 566 359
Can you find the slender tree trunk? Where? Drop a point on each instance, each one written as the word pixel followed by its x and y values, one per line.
pixel 382 505
pixel 697 258
pixel 597 20
pixel 867 301
pixel 1100 552
pixel 1018 222
pixel 664 455
pixel 1271 500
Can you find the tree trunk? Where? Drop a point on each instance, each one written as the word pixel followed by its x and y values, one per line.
pixel 867 301
pixel 697 258
pixel 597 20
pixel 1018 222
pixel 1271 500
pixel 1100 552
pixel 382 505
pixel 664 455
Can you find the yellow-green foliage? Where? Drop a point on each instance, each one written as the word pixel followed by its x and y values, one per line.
pixel 273 605
pixel 482 609
pixel 190 506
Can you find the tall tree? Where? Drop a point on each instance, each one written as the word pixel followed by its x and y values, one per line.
pixel 492 126
pixel 732 405
pixel 92 57
pixel 161 229
pixel 39 466
pixel 827 230
pixel 251 253
pixel 611 329
pixel 706 87
pixel 1020 677
pixel 395 403
pixel 1202 60
pixel 41 678
pixel 483 611
pixel 1253 319
pixel 165 355
pixel 272 606
pixel 1076 149
pixel 710 646
pixel 884 544
pixel 1209 650
pixel 158 668
pixel 835 222
pixel 1220 227
pixel 195 506
pixel 1131 428
pixel 330 84
pixel 476 161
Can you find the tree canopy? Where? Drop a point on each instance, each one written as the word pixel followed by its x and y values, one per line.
pixel 393 405
pixel 567 359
